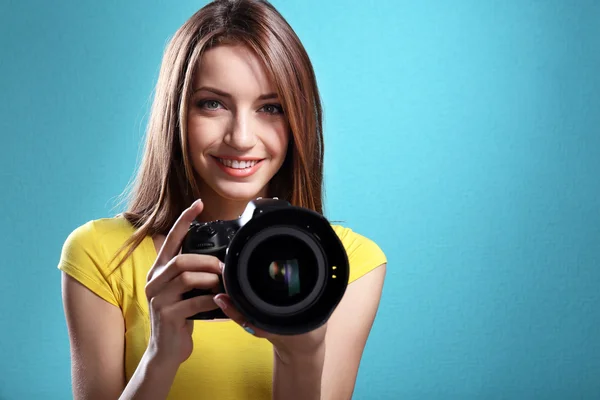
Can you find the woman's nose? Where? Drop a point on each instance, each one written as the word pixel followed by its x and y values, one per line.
pixel 240 136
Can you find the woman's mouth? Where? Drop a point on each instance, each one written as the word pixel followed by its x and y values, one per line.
pixel 238 168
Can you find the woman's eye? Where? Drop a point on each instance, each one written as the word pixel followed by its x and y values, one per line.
pixel 272 109
pixel 209 104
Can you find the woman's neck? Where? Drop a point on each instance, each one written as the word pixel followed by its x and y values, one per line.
pixel 219 208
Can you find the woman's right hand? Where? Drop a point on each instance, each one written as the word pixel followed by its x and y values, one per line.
pixel 172 275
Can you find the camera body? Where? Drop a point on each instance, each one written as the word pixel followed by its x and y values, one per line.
pixel 286 270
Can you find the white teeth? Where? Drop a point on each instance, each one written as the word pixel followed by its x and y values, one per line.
pixel 238 164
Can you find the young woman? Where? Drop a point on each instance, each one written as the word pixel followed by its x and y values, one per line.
pixel 236 116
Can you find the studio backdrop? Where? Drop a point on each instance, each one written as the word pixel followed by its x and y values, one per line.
pixel 462 136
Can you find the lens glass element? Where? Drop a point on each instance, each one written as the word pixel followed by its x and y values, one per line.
pixel 286 272
pixel 282 270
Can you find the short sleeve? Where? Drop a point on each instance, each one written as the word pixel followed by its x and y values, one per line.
pixel 364 255
pixel 83 259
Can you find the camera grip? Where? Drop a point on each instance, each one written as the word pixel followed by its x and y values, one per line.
pixel 212 314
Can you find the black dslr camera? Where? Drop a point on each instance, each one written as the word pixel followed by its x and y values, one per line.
pixel 286 270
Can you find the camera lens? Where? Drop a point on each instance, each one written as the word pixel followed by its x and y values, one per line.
pixel 282 270
pixel 287 272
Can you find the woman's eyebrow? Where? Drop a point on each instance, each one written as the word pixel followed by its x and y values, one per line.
pixel 267 96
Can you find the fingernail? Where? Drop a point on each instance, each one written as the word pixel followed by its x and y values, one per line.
pixel 221 265
pixel 219 301
pixel 249 330
pixel 195 203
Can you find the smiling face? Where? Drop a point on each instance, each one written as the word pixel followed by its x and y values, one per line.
pixel 236 130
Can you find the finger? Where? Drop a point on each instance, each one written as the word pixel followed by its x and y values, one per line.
pixel 224 302
pixel 180 264
pixel 172 244
pixel 184 282
pixel 186 308
pixel 189 326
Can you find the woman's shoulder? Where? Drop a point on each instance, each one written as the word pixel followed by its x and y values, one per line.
pixel 88 250
pixel 103 230
pixel 364 254
pixel 355 242
pixel 95 238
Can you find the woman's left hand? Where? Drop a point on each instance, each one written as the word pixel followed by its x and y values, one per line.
pixel 286 346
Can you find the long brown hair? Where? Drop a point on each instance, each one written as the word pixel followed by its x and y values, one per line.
pixel 166 183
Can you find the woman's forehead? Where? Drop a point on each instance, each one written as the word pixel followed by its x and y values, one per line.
pixel 234 69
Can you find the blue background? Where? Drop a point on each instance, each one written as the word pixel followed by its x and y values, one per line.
pixel 462 136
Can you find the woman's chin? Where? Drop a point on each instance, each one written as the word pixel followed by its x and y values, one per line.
pixel 241 193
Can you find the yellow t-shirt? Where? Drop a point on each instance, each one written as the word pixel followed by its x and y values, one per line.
pixel 227 362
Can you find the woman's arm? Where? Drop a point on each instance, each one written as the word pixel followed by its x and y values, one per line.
pixel 97 337
pixel 298 376
pixel 347 333
pixel 152 379
pixel 330 372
